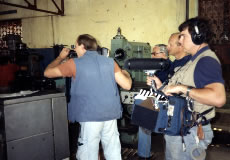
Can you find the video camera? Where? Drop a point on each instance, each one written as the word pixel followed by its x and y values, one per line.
pixel 101 50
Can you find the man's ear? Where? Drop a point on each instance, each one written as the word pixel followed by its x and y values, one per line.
pixel 178 43
pixel 82 46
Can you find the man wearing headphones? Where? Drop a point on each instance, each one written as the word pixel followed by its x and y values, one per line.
pixel 201 80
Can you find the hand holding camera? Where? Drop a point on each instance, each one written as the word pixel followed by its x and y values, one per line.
pixel 64 53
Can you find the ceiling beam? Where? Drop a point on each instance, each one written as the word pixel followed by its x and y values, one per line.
pixel 34 7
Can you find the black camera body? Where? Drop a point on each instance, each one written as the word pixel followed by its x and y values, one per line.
pixel 72 54
pixel 101 50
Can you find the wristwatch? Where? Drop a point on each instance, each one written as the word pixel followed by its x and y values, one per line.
pixel 189 88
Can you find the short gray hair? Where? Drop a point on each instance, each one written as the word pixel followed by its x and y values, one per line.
pixel 163 48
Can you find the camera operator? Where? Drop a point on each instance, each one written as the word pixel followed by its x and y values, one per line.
pixel 95 100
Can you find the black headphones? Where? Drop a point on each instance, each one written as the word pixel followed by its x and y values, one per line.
pixel 197 36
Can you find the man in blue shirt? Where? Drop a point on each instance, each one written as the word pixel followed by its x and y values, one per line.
pixel 201 80
pixel 95 100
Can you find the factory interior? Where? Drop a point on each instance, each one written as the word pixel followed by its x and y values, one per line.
pixel 33 108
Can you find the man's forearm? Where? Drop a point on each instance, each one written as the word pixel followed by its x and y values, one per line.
pixel 51 70
pixel 126 73
pixel 55 62
pixel 129 79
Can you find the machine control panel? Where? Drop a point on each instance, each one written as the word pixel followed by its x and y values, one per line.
pixel 128 97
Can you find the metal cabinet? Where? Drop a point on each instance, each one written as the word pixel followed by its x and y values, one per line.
pixel 34 127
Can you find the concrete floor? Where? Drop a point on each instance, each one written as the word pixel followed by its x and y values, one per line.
pixel 214 152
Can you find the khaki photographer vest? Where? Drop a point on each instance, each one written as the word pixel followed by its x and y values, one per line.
pixel 185 76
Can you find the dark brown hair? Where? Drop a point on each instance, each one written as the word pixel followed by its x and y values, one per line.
pixel 203 26
pixel 89 42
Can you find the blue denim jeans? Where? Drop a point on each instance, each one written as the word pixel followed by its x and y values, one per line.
pixel 144 138
pixel 144 142
pixel 194 151
pixel 91 133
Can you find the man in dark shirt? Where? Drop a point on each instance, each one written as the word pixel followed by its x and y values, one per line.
pixel 175 49
pixel 201 80
pixel 161 51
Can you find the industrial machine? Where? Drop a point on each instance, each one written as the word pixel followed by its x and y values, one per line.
pixel 122 50
pixel 22 67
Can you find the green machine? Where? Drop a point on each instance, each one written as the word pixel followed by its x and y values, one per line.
pixel 122 49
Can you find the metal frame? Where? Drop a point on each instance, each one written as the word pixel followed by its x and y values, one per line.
pixel 33 6
pixel 60 10
pixel 187 10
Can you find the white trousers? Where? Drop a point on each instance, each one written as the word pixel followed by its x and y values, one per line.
pixel 91 133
